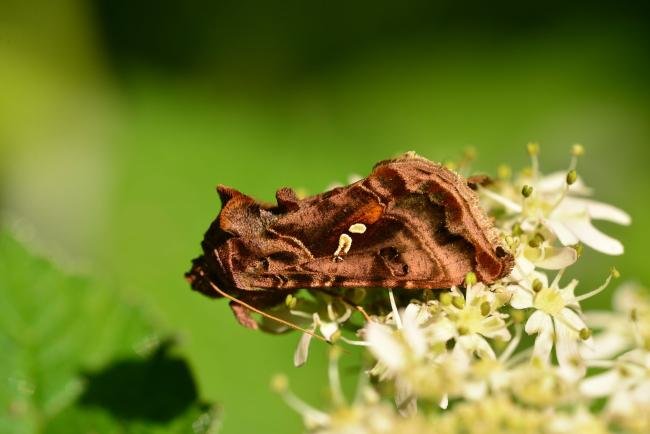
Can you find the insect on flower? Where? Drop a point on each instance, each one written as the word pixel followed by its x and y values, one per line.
pixel 411 224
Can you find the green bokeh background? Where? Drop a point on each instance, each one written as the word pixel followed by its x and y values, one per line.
pixel 117 120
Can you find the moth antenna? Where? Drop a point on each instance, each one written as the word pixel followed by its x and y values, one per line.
pixel 268 315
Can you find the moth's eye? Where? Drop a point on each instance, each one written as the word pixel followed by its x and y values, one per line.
pixel 500 252
pixel 390 253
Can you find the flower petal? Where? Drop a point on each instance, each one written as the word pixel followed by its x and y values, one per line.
pixel 302 350
pixel 521 298
pixel 601 384
pixel 573 319
pixel 607 345
pixel 407 403
pixel 566 236
pixel 522 269
pixel 412 331
pixel 566 344
pixel 507 203
pixel 599 210
pixel 482 348
pixel 541 323
pixel 441 331
pixel 328 329
pixel 556 181
pixel 475 390
pixel 537 322
pixel 629 296
pixel 582 228
pixel 473 292
pixel 384 346
pixel 543 345
pixel 495 328
pixel 556 258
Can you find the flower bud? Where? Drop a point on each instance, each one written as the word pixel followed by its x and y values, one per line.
pixel 536 241
pixel 577 150
pixel 504 172
pixel 579 248
pixel 470 279
pixel 445 298
pixel 532 148
pixel 571 177
pixel 291 301
pixel 485 308
pixel 527 190
pixel 458 301
pixel 614 273
pixel 518 316
pixel 279 383
pixel 537 285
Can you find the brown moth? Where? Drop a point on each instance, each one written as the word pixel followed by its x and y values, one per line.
pixel 411 223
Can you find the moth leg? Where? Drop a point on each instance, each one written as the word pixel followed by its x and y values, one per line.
pixel 243 315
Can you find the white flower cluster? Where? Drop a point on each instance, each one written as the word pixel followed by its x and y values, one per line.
pixel 517 356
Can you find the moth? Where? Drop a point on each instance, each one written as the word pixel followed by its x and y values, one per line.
pixel 411 224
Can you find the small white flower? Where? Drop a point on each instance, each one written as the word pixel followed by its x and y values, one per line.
pixel 473 317
pixel 627 385
pixel 545 256
pixel 406 353
pixel 459 348
pixel 329 329
pixel 496 414
pixel 366 414
pixel 571 222
pixel 580 421
pixel 554 205
pixel 397 348
pixel 556 320
pixel 628 326
pixel 540 384
pixel 490 375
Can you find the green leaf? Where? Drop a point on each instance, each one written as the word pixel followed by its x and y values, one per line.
pixel 77 357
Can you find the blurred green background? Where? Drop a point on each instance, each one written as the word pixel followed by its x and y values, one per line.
pixel 118 119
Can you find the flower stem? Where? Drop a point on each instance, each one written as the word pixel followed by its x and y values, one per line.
pixel 595 291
